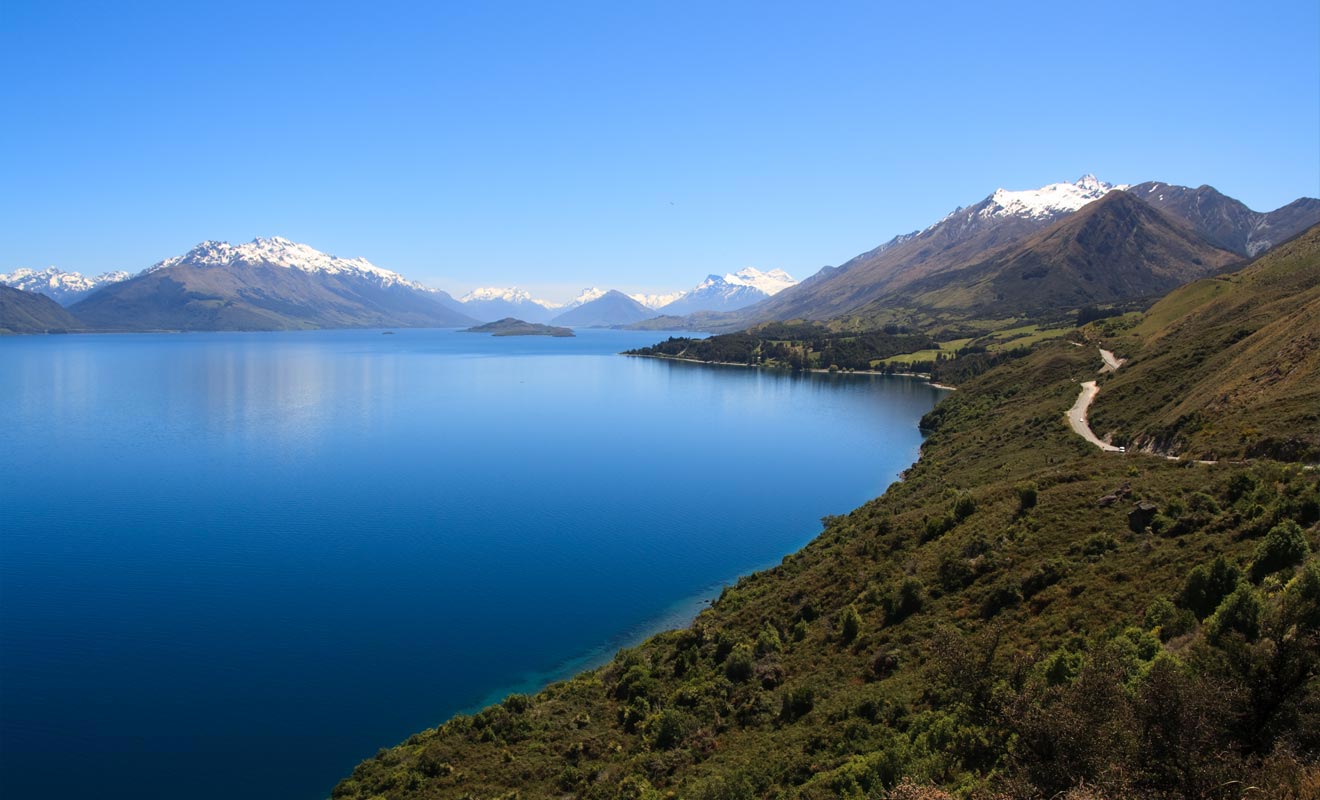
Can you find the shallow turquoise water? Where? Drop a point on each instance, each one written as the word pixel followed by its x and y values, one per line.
pixel 233 565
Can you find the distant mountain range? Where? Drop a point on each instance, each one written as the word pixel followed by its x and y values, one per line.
pixel 63 287
pixel 266 284
pixel 727 292
pixel 1015 253
pixel 966 261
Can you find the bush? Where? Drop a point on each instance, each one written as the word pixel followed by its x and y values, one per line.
pixel 904 601
pixel 1207 586
pixel 1003 596
pixel 797 703
pixel 668 729
pixel 963 507
pixel 740 665
pixel 1167 620
pixel 1026 493
pixel 850 624
pixel 1284 546
pixel 1240 613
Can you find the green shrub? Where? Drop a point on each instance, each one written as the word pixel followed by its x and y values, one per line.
pixel 1207 586
pixel 739 667
pixel 850 624
pixel 768 641
pixel 1284 546
pixel 1240 613
pixel 905 600
pixel 797 703
pixel 1026 494
pixel 1167 620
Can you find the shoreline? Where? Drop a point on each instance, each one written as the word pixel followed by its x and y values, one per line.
pixel 922 375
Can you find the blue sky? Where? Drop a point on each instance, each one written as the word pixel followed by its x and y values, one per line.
pixel 635 145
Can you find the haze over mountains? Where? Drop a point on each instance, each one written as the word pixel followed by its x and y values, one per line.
pixel 1060 247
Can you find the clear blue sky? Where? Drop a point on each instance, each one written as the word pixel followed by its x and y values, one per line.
pixel 631 144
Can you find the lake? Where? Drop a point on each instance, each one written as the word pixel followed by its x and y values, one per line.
pixel 236 564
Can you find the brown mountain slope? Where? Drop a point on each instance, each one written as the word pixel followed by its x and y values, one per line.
pixel 1227 367
pixel 1229 223
pixel 1117 248
pixel 27 312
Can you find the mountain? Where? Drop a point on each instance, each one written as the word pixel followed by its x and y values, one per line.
pixel 657 300
pixel 964 236
pixel 63 287
pixel 1114 249
pixel 610 308
pixel 730 292
pixel 29 312
pixel 1005 220
pixel 490 304
pixel 266 284
pixel 1228 223
pixel 1226 367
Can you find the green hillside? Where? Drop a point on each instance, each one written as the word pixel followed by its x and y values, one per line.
pixel 1226 367
pixel 26 312
pixel 1021 616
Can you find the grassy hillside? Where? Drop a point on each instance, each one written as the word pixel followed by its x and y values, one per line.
pixel 1021 616
pixel 1227 367
pixel 27 312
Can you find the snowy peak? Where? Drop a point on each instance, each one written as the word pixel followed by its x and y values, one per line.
pixel 657 300
pixel 1047 201
pixel 280 252
pixel 730 291
pixel 60 286
pixel 772 282
pixel 511 294
pixel 586 296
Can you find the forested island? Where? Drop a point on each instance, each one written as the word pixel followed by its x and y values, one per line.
pixel 516 327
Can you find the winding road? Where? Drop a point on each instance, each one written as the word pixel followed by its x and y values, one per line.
pixel 1077 414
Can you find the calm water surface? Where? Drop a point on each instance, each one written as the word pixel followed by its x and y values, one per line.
pixel 234 565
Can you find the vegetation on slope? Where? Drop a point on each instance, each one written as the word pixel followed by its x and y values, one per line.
pixel 1226 367
pixel 1021 616
pixel 27 312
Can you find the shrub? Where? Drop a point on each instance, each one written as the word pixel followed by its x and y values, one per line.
pixel 797 703
pixel 768 641
pixel 1207 586
pixel 850 624
pixel 1240 613
pixel 904 601
pixel 1026 494
pixel 1284 546
pixel 1003 596
pixel 668 729
pixel 1167 620
pixel 740 665
pixel 963 507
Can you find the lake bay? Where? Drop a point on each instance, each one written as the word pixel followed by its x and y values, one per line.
pixel 241 563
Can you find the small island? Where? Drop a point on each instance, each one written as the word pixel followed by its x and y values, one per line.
pixel 516 327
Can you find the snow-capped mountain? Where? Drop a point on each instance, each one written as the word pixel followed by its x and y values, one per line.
pixel 277 251
pixel 730 292
pixel 267 284
pixel 1048 201
pixel 585 296
pixel 492 303
pixel 63 287
pixel 657 300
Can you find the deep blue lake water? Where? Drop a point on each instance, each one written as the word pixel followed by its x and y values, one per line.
pixel 234 565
